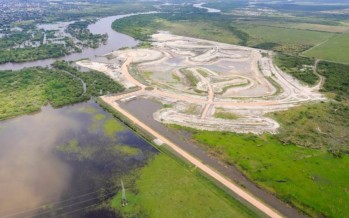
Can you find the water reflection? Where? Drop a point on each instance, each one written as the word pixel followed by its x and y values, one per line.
pixel 115 41
pixel 61 155
pixel 30 173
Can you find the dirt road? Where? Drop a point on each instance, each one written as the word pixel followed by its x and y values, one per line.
pixel 230 185
pixel 322 78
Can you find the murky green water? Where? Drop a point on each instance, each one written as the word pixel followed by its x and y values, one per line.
pixel 65 161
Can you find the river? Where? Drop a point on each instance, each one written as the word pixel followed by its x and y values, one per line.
pixel 115 41
pixel 209 10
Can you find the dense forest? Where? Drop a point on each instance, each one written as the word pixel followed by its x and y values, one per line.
pixel 27 90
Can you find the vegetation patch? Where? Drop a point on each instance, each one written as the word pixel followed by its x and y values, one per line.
pixel 97 83
pixel 335 49
pixel 198 25
pixel 166 187
pixel 99 117
pixel 291 41
pixel 299 67
pixel 125 150
pixel 192 109
pixel 223 114
pixel 27 90
pixel 295 174
pixel 224 28
pixel 76 151
pixel 321 125
pixel 337 79
pixel 80 31
pixel 111 127
pixel 190 77
pixel 204 73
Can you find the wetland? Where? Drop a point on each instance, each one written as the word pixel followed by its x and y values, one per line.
pixel 66 161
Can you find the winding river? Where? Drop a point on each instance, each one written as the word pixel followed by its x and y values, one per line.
pixel 115 41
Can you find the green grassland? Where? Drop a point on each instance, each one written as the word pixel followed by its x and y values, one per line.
pixel 270 34
pixel 313 180
pixel 299 23
pixel 27 90
pixel 322 125
pixel 192 25
pixel 167 188
pixel 202 30
pixel 335 49
pixel 292 41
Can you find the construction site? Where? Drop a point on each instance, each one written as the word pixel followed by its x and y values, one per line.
pixel 206 85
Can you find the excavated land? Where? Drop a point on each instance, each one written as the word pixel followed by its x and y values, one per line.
pixel 206 85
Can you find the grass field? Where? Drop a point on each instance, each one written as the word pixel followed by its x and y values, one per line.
pixel 336 27
pixel 282 39
pixel 322 125
pixel 201 30
pixel 142 26
pixel 335 49
pixel 168 188
pixel 292 38
pixel 313 180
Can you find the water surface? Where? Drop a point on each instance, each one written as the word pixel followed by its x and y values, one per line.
pixel 60 161
pixel 115 41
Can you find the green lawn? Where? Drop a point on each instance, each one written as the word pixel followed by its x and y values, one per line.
pixel 336 49
pixel 167 188
pixel 313 180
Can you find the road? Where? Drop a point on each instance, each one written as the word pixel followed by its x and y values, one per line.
pixel 322 78
pixel 227 183
pixel 82 82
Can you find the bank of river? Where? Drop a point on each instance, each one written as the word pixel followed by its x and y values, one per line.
pixel 60 161
pixel 209 10
pixel 115 41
